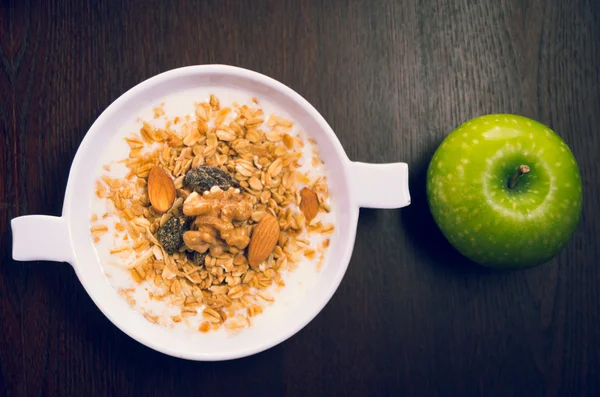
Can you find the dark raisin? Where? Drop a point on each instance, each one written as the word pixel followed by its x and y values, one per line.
pixel 204 177
pixel 196 258
pixel 170 235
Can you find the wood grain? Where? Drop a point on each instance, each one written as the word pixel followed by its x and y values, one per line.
pixel 393 78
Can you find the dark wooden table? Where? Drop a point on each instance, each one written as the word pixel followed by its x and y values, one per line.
pixel 393 78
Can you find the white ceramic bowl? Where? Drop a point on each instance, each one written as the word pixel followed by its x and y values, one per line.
pixel 67 238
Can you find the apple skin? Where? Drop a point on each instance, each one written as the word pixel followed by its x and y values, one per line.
pixel 484 219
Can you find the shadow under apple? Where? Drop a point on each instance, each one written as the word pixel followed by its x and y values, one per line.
pixel 424 232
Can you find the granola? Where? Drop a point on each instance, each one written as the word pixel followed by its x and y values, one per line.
pixel 231 167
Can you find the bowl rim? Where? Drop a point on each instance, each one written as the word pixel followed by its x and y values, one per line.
pixel 348 240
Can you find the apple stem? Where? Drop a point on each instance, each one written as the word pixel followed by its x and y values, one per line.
pixel 522 170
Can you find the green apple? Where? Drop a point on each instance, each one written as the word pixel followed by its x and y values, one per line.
pixel 505 191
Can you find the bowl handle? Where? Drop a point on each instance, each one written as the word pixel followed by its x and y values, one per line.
pixel 379 185
pixel 41 237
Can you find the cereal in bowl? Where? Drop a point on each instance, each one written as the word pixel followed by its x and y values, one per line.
pixel 212 210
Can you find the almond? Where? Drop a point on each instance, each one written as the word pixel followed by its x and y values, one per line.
pixel 309 203
pixel 263 241
pixel 161 189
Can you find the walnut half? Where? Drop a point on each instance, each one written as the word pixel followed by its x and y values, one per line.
pixel 230 204
pixel 215 212
pixel 201 242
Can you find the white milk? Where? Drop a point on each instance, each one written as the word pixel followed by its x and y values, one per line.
pixel 298 283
